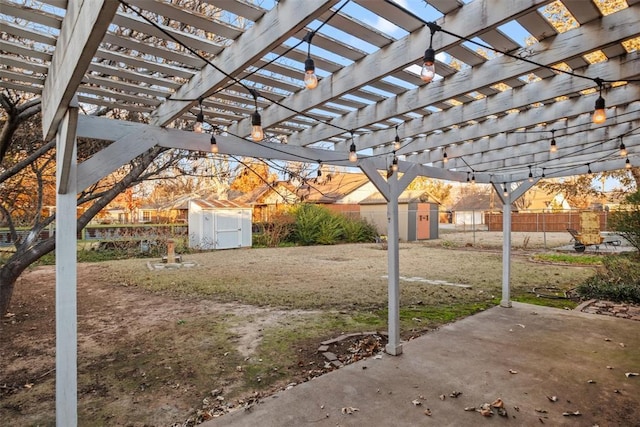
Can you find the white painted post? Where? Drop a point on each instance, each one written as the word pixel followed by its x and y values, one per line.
pixel 506 251
pixel 66 273
pixel 393 346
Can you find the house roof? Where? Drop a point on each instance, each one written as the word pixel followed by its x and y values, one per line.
pixel 219 204
pixel 407 196
pixel 475 202
pixel 333 187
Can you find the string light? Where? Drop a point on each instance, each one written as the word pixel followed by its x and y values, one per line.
pixel 473 178
pixel 396 143
pixel 530 174
pixel 394 164
pixel 623 149
pixel 599 114
pixel 543 174
pixel 589 169
pixel 214 144
pixel 428 71
pixel 257 134
pixel 310 78
pixel 197 127
pixel 505 192
pixel 627 164
pixel 445 158
pixel 552 147
pixel 353 156
pixel 467 176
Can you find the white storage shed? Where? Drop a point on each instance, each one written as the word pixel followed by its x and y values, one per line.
pixel 219 224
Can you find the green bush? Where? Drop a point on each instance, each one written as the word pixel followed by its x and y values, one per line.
pixel 318 225
pixel 358 230
pixel 626 221
pixel 308 220
pixel 617 280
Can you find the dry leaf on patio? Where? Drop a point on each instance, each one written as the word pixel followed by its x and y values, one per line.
pixel 470 408
pixel 443 397
pixel 552 398
pixel 513 371
pixel 572 414
pixel 348 410
pixel 498 403
pixel 631 374
pixel 485 410
pixel 427 412
pixel 416 402
pixel 455 394
pixel 591 381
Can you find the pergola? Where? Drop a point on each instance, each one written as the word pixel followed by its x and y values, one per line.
pixel 487 118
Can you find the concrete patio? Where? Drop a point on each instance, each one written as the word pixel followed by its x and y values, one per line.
pixel 524 355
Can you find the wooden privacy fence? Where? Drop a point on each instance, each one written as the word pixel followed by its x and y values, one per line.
pixel 542 221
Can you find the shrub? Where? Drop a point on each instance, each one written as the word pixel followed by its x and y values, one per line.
pixel 358 230
pixel 308 221
pixel 626 221
pixel 617 280
pixel 318 225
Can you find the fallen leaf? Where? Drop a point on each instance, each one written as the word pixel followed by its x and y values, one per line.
pixel 607 339
pixel 631 374
pixel 455 394
pixel 349 410
pixel 470 408
pixel 443 397
pixel 427 412
pixel 591 381
pixel 416 402
pixel 485 410
pixel 572 414
pixel 552 398
pixel 521 325
pixel 513 371
pixel 28 385
pixel 609 367
pixel 498 403
pixel 622 345
pixel 542 411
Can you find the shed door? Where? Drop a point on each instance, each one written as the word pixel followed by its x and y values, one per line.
pixel 228 229
pixel 208 239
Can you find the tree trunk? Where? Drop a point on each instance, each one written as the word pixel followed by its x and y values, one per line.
pixel 13 268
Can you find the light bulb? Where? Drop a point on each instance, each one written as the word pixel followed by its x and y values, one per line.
pixel 599 114
pixel 353 157
pixel 396 143
pixel 623 150
pixel 257 134
pixel 310 80
pixel 473 178
pixel 627 164
pixel 445 158
pixel 214 144
pixel 428 71
pixel 394 164
pixel 553 148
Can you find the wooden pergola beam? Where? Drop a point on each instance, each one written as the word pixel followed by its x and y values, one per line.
pixel 270 31
pixel 83 27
